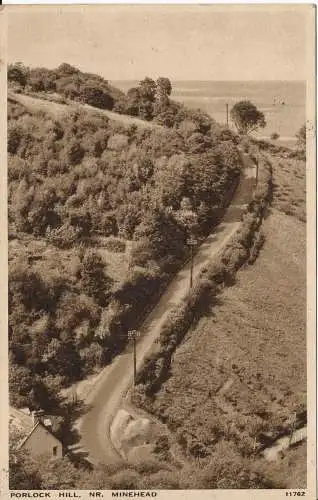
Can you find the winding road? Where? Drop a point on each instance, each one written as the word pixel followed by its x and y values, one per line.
pixel 106 396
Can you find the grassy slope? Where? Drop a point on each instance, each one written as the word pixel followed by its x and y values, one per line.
pixel 58 110
pixel 290 186
pixel 250 355
pixel 292 467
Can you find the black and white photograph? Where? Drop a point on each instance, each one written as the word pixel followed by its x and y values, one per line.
pixel 159 189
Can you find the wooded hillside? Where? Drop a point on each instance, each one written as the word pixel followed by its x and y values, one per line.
pixel 98 222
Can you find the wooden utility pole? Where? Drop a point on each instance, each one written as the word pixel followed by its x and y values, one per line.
pixel 293 426
pixel 227 114
pixel 135 360
pixel 191 269
pixel 133 334
pixel 254 444
pixel 192 242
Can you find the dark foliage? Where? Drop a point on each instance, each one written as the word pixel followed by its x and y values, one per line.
pixel 76 179
pixel 247 117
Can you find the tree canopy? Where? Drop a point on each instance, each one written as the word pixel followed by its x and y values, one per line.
pixel 247 117
pixel 301 137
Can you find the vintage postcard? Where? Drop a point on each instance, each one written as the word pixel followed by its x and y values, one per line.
pixel 158 192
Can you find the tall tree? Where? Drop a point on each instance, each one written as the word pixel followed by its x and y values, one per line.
pixel 163 87
pixel 96 283
pixel 247 117
pixel 18 73
pixel 301 137
pixel 163 91
pixel 147 89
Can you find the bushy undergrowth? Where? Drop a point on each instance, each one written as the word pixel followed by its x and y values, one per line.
pixel 66 81
pixel 259 241
pixel 115 245
pixel 220 472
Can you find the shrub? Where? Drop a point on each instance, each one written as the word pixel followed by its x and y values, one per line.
pixel 92 356
pixel 94 279
pixel 163 480
pixel 259 240
pixel 73 153
pixel 274 136
pixel 301 137
pixel 15 134
pixel 117 142
pixel 125 480
pixel 18 73
pixel 96 97
pixel 64 236
pixel 115 245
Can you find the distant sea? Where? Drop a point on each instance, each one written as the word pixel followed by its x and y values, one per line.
pixel 269 96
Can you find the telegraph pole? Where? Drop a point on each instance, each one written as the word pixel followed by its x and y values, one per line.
pixel 227 114
pixel 254 444
pixel 191 269
pixel 133 334
pixel 192 242
pixel 293 426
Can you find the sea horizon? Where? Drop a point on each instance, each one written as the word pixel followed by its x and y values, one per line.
pixel 113 80
pixel 283 102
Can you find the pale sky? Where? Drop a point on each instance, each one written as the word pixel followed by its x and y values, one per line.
pixel 181 42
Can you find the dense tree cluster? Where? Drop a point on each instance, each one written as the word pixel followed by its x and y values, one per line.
pixel 150 100
pixel 85 177
pixel 67 81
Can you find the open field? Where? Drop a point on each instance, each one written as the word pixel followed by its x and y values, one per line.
pixel 242 371
pixel 289 178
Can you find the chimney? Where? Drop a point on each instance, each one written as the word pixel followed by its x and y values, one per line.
pixel 47 423
pixel 34 418
pixel 37 416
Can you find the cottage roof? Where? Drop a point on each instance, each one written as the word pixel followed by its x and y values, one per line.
pixel 21 420
pixel 38 424
pixel 24 422
pixel 28 435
